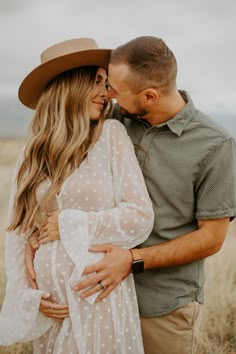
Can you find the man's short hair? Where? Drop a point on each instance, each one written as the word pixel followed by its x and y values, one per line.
pixel 150 61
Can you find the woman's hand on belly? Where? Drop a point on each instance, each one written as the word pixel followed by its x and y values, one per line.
pixel 32 246
pixel 50 231
pixel 53 310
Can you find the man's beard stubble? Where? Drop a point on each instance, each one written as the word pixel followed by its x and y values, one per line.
pixel 140 113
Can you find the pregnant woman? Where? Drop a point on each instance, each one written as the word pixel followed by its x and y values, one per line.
pixel 83 164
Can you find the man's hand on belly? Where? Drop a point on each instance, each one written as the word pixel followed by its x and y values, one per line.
pixel 108 272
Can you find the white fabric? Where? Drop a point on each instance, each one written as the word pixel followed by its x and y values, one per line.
pixel 104 201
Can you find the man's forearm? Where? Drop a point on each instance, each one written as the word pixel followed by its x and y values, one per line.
pixel 187 248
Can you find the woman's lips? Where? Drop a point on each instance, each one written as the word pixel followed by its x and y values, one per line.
pixel 100 105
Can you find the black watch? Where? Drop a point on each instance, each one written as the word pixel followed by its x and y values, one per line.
pixel 138 262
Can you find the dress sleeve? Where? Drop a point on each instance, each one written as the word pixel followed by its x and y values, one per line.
pixel 21 302
pixel 128 223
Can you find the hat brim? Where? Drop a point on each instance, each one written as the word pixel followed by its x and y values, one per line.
pixel 35 82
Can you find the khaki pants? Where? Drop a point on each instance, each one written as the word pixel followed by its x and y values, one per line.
pixel 174 333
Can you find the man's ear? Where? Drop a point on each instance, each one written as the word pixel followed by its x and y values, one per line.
pixel 149 96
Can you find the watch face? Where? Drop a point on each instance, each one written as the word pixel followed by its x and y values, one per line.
pixel 138 266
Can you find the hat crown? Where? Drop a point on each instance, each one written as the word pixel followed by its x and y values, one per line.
pixel 57 59
pixel 68 47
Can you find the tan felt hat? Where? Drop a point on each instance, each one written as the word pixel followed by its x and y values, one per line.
pixel 55 60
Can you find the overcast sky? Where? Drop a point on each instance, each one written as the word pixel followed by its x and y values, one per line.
pixel 202 33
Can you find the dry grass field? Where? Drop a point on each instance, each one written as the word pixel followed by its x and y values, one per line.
pixel 218 330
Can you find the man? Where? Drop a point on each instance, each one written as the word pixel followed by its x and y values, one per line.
pixel 189 167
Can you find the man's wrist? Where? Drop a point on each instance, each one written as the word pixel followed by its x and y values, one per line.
pixel 137 261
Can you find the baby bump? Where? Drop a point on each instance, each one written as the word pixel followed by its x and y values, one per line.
pixel 53 268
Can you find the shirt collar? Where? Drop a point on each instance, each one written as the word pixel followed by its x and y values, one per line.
pixel 178 123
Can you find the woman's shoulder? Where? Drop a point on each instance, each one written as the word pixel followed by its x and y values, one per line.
pixel 115 133
pixel 111 124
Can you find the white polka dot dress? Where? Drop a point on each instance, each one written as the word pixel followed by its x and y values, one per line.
pixel 104 201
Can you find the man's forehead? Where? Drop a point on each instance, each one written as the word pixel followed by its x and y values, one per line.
pixel 120 67
pixel 117 74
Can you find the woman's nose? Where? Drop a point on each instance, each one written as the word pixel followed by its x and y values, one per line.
pixel 104 91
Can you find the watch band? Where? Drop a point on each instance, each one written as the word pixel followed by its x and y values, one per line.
pixel 136 254
pixel 138 262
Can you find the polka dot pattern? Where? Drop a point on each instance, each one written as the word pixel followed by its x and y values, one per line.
pixel 104 200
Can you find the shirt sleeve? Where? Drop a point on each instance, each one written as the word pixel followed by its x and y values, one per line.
pixel 215 190
pixel 128 223
pixel 21 302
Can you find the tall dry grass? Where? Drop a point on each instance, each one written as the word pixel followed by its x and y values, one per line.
pixel 218 328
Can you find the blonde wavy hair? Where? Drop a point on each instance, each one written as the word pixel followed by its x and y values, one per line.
pixel 62 133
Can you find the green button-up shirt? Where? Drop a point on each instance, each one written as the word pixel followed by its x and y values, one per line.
pixel 189 167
